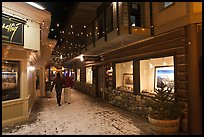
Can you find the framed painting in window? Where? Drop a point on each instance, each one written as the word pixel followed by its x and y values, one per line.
pixel 128 79
pixel 164 75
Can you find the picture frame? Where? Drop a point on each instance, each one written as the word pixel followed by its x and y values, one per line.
pixel 127 79
pixel 9 80
pixel 165 75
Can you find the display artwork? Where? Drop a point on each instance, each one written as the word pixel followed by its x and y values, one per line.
pixel 9 80
pixel 127 79
pixel 164 75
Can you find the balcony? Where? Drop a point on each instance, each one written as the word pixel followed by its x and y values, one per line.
pixel 117 25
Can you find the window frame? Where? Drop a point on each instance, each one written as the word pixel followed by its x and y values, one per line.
pixel 135 17
pixel 18 92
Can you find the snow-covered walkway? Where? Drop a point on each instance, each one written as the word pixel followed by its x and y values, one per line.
pixel 84 116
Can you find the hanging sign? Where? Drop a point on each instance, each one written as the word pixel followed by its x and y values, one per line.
pixel 12 30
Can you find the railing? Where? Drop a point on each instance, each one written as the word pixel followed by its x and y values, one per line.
pixel 107 21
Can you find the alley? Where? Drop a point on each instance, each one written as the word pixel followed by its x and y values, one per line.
pixel 84 116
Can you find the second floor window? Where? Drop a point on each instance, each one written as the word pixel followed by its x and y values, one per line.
pixel 135 16
pixel 109 18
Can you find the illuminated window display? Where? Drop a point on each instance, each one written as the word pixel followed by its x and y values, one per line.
pixel 10 80
pixel 154 72
pixel 78 74
pixel 89 75
pixel 124 76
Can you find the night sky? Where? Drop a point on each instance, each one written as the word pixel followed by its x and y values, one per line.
pixel 60 13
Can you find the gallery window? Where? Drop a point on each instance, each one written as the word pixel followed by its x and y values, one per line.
pixel 124 76
pixel 154 72
pixel 78 74
pixel 10 80
pixel 89 75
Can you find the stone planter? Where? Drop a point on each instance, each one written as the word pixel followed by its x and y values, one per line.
pixel 164 126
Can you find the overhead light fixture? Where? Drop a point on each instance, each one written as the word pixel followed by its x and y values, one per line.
pixel 35 5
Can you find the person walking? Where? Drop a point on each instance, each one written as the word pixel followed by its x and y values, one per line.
pixel 68 83
pixel 58 82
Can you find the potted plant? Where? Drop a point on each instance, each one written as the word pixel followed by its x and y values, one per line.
pixel 164 117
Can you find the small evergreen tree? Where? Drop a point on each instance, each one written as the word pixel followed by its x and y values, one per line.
pixel 164 106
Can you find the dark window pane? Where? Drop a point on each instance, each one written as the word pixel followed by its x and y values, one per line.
pixel 109 19
pixel 136 14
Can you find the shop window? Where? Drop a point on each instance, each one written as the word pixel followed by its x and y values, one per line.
pixel 167 4
pixel 10 80
pixel 89 75
pixel 154 72
pixel 78 74
pixel 135 16
pixel 124 76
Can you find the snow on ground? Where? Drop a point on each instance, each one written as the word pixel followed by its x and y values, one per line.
pixel 83 116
